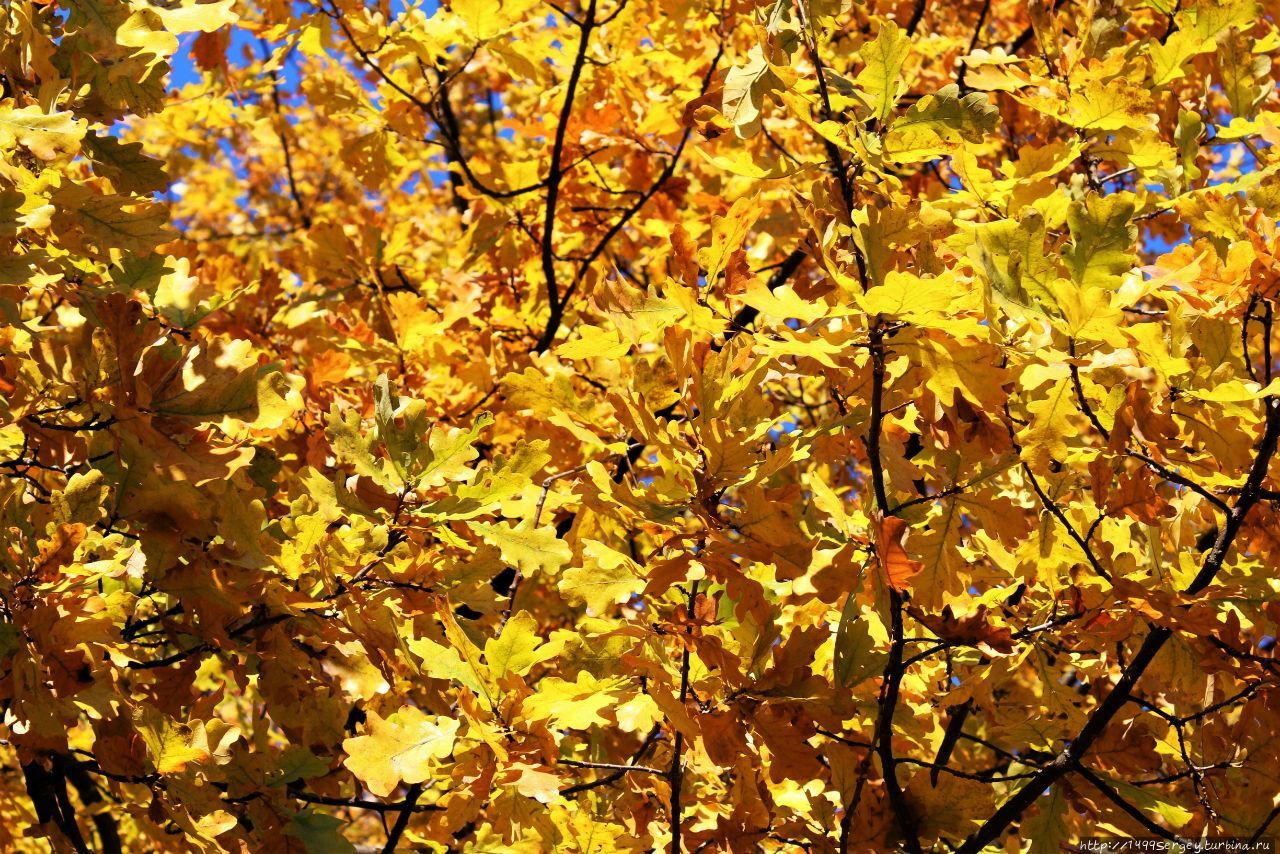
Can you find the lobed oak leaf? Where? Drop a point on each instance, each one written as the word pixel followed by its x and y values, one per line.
pixel 745 88
pixel 881 76
pixel 974 630
pixel 1110 105
pixel 573 704
pixel 940 122
pixel 1047 829
pixel 487 19
pixel 197 17
pixel 443 662
pixel 728 233
pixel 604 579
pixel 145 31
pixel 124 164
pixel 405 747
pixel 532 550
pixel 318 832
pixel 1089 313
pixel 856 658
pixel 171 744
pixel 518 648
pixel 1102 240
pixel 46 135
pixel 111 222
pixel 537 783
pixel 448 452
pixel 952 808
pixel 59 550
pixel 209 50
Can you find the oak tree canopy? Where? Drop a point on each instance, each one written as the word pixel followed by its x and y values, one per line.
pixel 628 425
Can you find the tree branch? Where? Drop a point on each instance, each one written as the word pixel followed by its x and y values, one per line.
pixel 1097 722
pixel 1126 807
pixel 402 821
pixel 675 774
pixel 553 183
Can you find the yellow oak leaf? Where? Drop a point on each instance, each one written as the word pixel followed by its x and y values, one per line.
pixel 605 578
pixel 518 648
pixel 403 748
pixel 572 705
pixel 47 136
pixel 533 550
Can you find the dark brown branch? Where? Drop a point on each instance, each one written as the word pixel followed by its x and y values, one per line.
pixel 362 803
pixel 1244 337
pixel 955 726
pixel 397 830
pixel 973 43
pixel 1173 477
pixel 665 175
pixel 955 489
pixel 92 424
pixel 1159 468
pixel 746 315
pixel 1244 693
pixel 675 774
pixel 893 670
pixel 917 13
pixel 1266 823
pixel 1080 398
pixel 1097 722
pixel 616 775
pixel 1183 774
pixel 1056 511
pixel 260 621
pixel 554 177
pixel 103 820
pixel 991 775
pixel 446 121
pixel 611 766
pixel 1126 807
pixel 281 129
pixel 47 789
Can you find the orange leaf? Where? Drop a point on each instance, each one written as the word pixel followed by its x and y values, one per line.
pixel 890 548
pixel 971 630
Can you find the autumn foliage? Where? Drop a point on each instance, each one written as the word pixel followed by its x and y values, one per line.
pixel 637 425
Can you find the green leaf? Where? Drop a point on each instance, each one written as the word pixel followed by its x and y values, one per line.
pixel 1047 830
pixel 111 221
pixel 518 648
pixel 320 833
pixel 449 450
pixel 297 763
pixel 139 273
pixel 10 640
pixel 82 500
pixel 856 658
pixel 1103 237
pixel 1011 255
pixel 1174 815
pixel 533 550
pixel 355 446
pixel 442 662
pixel 401 425
pixel 881 76
pixel 938 123
pixel 605 578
